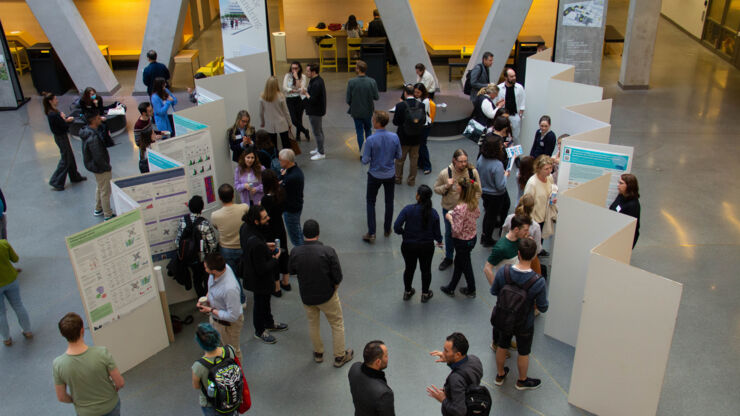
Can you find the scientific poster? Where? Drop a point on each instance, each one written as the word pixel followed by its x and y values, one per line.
pixel 113 268
pixel 184 125
pixel 158 161
pixel 582 161
pixel 243 27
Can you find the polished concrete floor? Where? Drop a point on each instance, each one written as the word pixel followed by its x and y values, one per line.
pixel 686 147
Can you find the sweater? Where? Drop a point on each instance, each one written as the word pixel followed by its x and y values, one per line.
pixel 161 109
pixel 316 102
pixel 361 92
pixel 629 207
pixel 293 184
pixel 8 272
pixel 151 72
pixel 451 195
pixel 492 178
pixel 409 224
pixel 543 145
pixel 57 125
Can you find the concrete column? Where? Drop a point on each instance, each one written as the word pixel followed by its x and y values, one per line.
pixel 205 10
pixel 74 44
pixel 639 44
pixel 163 34
pixel 502 26
pixel 194 12
pixel 405 38
pixel 580 37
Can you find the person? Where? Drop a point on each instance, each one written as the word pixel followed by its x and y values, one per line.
pixel 208 245
pixel 425 77
pixel 493 175
pixel 10 290
pixel 540 187
pixel 163 103
pixel 316 108
pixel 319 275
pixel 294 83
pixel 58 124
pixel 352 27
pixel 421 93
pixel 524 209
pixel 504 252
pixel 266 151
pixel 209 341
pixel 248 178
pixel 97 160
pixel 361 92
pixel 274 203
pixel 371 394
pixel 628 200
pixel 224 306
pixel 274 114
pixel 512 93
pixel 466 369
pixel 381 150
pixel 410 117
pixel 90 373
pixel 90 103
pixel 153 71
pixel 228 220
pixel 193 94
pixel 522 276
pixel 375 28
pixel 260 271
pixel 291 177
pixel 446 185
pixel 480 75
pixel 145 124
pixel 544 139
pixel 484 108
pixel 419 225
pixel 145 142
pixel 556 158
pixel 3 217
pixel 526 170
pixel 462 219
pixel 240 135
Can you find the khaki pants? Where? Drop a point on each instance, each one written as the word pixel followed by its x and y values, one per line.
pixel 102 193
pixel 231 335
pixel 333 311
pixel 413 153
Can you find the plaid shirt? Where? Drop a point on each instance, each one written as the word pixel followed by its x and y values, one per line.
pixel 206 232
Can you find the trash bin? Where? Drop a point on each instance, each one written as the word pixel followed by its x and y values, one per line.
pixel 526 46
pixel 47 72
pixel 372 51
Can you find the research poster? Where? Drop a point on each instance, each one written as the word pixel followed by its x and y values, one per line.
pixel 243 27
pixel 581 162
pixel 158 161
pixel 113 268
pixel 184 125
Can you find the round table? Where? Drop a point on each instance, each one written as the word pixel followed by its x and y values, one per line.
pixel 451 120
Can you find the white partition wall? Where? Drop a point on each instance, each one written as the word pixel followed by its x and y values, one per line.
pixel 233 89
pixel 257 74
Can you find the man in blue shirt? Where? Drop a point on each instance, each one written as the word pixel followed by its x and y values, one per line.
pixel 381 151
pixel 153 71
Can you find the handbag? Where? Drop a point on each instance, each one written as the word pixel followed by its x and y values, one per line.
pixel 294 146
pixel 474 130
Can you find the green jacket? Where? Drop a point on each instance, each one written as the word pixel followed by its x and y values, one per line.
pixel 361 92
pixel 8 273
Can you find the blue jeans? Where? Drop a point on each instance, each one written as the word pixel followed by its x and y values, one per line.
pixel 373 185
pixel 116 410
pixel 364 128
pixel 293 227
pixel 232 256
pixel 424 162
pixel 449 246
pixel 13 293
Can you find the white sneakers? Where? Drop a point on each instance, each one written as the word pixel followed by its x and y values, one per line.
pixel 314 151
pixel 317 155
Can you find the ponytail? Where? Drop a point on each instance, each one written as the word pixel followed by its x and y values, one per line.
pixel 425 200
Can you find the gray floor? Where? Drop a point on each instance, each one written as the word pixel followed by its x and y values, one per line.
pixel 686 146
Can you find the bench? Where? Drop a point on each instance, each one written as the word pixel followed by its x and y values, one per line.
pixel 612 35
pixel 455 63
pixel 125 54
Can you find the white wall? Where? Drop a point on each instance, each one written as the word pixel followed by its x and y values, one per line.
pixel 688 14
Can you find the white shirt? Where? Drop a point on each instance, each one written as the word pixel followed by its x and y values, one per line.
pixel 427 108
pixel 518 95
pixel 488 109
pixel 428 80
pixel 288 85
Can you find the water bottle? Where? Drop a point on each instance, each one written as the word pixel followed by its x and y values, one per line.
pixel 277 246
pixel 211 389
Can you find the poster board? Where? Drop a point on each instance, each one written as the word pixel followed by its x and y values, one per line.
pixel 184 125
pixel 158 161
pixel 244 29
pixel 256 71
pixel 232 88
pixel 205 96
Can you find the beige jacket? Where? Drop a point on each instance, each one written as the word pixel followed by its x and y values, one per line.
pixel 451 195
pixel 274 115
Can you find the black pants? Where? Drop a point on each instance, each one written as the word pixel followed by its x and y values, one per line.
pixel 200 279
pixel 67 164
pixel 295 108
pixel 373 186
pixel 463 265
pixel 284 140
pixel 422 252
pixel 261 313
pixel 496 208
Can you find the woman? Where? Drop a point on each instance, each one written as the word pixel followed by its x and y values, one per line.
pixel 274 116
pixel 10 290
pixel 90 104
pixel 484 109
pixel 493 175
pixel 240 135
pixel 352 27
pixel 273 201
pixel 421 94
pixel 248 178
pixel 544 139
pixel 58 124
pixel 266 151
pixel 463 219
pixel 209 340
pixel 628 200
pixel 163 103
pixel 145 141
pixel 540 187
pixel 293 82
pixel 419 225
pixel 525 207
pixel 526 170
pixel 556 158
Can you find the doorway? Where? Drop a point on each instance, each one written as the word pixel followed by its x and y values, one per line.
pixel 722 29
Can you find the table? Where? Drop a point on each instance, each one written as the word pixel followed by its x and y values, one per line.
pixel 455 63
pixel 314 32
pixel 107 54
pixel 21 37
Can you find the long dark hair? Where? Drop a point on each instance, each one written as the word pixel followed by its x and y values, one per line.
pixel 256 165
pixel 146 139
pixel 271 185
pixel 48 98
pixel 425 201
pixel 300 70
pixel 351 23
pixel 421 87
pixel 86 96
pixel 526 170
pixel 159 88
pixel 633 189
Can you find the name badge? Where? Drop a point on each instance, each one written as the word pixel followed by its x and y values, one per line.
pixel 619 208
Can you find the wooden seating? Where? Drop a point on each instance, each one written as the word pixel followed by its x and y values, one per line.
pixel 184 71
pixel 328 46
pixel 353 52
pixel 456 63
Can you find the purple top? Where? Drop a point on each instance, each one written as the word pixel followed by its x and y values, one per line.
pixel 241 180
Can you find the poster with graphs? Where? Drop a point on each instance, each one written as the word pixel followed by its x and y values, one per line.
pixel 113 268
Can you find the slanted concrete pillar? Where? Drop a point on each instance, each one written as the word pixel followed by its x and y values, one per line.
pixel 639 44
pixel 194 13
pixel 580 37
pixel 163 34
pixel 74 44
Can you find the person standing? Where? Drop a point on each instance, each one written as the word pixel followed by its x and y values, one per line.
pixel 153 71
pixel 58 124
pixel 540 186
pixel 484 109
pixel 87 377
pixel 371 394
pixel 480 75
pixel 425 77
pixel 544 139
pixel 206 241
pixel 228 220
pixel 248 177
pixel 163 104
pixel 361 92
pixel 507 247
pixel 274 114
pixel 10 290
pixel 294 83
pixel 145 124
pixel 466 370
pixel 274 204
pixel 512 93
pixel 381 150
pixel 97 160
pixel 375 28
pixel 209 340
pixel 316 108
pixel 628 200
pixel 463 218
pixel 421 94
pixel 319 275
pixel 240 135
pixel 291 177
pixel 410 117
pixel 493 177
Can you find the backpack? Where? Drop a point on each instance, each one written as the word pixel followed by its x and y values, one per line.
pixel 510 313
pixel 470 173
pixel 477 399
pixel 414 118
pixel 190 249
pixel 225 381
pixel 432 110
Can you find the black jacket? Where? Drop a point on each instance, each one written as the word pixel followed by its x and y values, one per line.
pixel 318 270
pixel 399 117
pixel 293 185
pixel 629 207
pixel 236 144
pixel 464 373
pixel 370 392
pixel 151 72
pixel 259 268
pixel 543 145
pixel 316 102
pixel 375 29
pixel 94 153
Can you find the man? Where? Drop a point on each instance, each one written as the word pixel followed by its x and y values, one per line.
pixel 90 373
pixel 224 305
pixel 521 275
pixel 505 250
pixel 97 160
pixel 361 92
pixel 319 276
pixel 291 177
pixel 145 124
pixel 446 185
pixel 153 71
pixel 513 95
pixel 410 117
pixel 381 150
pixel 466 370
pixel 205 239
pixel 479 75
pixel 370 392
pixel 228 220
pixel 260 272
pixel 425 77
pixel 375 28
pixel 316 108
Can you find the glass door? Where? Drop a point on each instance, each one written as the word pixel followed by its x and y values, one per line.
pixel 722 29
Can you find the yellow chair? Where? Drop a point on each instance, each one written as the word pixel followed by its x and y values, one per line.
pixel 466 52
pixel 353 52
pixel 20 59
pixel 212 68
pixel 328 46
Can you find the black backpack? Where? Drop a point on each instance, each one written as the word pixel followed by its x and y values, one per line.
pixel 471 175
pixel 477 399
pixel 225 381
pixel 189 250
pixel 415 117
pixel 510 313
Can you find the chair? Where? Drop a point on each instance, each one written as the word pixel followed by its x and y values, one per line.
pixel 328 45
pixel 20 59
pixel 212 68
pixel 353 52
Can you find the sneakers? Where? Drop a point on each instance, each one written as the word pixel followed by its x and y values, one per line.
pixel 57 188
pixel 266 338
pixel 318 357
pixel 407 295
pixel 500 379
pixel 340 361
pixel 318 156
pixel 448 292
pixel 543 253
pixel 528 384
pixel 98 212
pixel 426 296
pixel 445 264
pixel 427 171
pixel 313 152
pixel 279 327
pixel 369 238
pixel 467 292
pixel 111 217
pixel 387 233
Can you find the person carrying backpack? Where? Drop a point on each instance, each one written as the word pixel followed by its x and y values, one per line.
pixel 410 117
pixel 478 77
pixel 195 238
pixel 519 291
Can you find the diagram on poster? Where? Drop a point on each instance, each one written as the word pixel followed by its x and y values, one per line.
pixel 582 162
pixel 113 267
pixel 243 27
pixel 584 13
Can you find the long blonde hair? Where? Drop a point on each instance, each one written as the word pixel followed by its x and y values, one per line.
pixel 489 89
pixel 272 90
pixel 467 192
pixel 525 206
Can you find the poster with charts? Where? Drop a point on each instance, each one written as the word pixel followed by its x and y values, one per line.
pixel 113 268
pixel 585 161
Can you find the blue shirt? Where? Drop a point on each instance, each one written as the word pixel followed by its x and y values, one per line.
pixel 223 294
pixel 492 178
pixel 409 224
pixel 381 150
pixel 536 294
